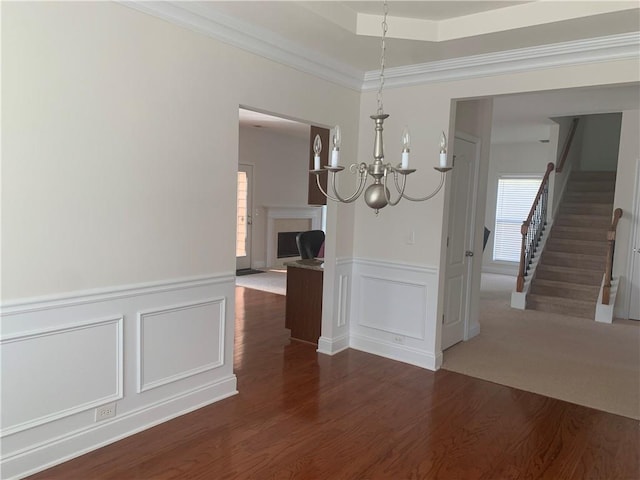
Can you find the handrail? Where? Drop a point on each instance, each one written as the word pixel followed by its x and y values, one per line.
pixel 608 272
pixel 533 227
pixel 567 144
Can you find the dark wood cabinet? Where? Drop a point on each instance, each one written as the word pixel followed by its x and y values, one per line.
pixel 304 303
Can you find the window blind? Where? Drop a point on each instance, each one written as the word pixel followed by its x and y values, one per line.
pixel 515 197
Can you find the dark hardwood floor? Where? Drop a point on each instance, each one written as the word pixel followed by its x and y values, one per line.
pixel 302 415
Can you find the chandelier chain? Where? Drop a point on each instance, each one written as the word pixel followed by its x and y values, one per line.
pixel 383 48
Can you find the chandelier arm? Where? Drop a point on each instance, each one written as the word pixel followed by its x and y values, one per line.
pixel 431 195
pixel 322 189
pixel 363 180
pixel 400 190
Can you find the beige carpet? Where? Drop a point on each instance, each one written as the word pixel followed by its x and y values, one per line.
pixel 274 281
pixel 568 358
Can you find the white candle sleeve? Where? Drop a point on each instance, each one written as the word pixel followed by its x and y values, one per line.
pixel 443 160
pixel 334 158
pixel 405 160
pixel 316 162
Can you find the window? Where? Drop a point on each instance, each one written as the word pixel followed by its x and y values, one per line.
pixel 515 197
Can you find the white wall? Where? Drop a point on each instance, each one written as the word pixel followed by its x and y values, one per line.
pixel 628 162
pixel 120 153
pixel 600 142
pixel 280 177
pixel 509 159
pixel 427 109
pixel 558 181
pixel 141 123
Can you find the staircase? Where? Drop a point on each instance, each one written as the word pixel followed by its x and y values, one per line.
pixel 569 273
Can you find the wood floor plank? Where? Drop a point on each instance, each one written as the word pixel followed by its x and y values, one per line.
pixel 302 415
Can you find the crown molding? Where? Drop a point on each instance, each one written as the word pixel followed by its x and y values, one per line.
pixel 262 42
pixel 615 47
pixel 267 44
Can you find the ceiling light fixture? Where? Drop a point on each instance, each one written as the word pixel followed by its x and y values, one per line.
pixel 377 194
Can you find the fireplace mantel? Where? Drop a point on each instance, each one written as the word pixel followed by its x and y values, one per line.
pixel 275 212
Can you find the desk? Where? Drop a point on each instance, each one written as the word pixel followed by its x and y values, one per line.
pixel 304 300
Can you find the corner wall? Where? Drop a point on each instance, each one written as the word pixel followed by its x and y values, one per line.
pixel 119 158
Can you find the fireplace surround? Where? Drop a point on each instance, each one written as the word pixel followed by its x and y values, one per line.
pixel 311 218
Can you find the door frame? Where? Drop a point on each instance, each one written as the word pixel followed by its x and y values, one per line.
pixel 634 238
pixel 249 169
pixel 467 332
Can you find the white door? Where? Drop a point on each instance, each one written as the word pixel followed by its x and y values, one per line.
pixel 244 209
pixel 460 240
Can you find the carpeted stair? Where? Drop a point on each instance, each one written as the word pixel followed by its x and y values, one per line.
pixel 568 277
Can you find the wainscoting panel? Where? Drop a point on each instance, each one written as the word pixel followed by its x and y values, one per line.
pixel 171 345
pixel 393 311
pixel 343 300
pixel 392 306
pixel 42 369
pixel 154 351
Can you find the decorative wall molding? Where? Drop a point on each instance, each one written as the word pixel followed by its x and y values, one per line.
pixel 80 351
pixel 58 337
pixel 212 326
pixel 258 41
pixel 399 266
pixel 403 292
pixel 343 299
pixel 603 49
pixel 274 47
pixel 49 302
pixel 401 322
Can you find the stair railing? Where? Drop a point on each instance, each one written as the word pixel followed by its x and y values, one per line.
pixel 533 227
pixel 608 272
pixel 567 144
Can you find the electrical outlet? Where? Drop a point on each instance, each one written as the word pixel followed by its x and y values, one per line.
pixel 398 339
pixel 105 411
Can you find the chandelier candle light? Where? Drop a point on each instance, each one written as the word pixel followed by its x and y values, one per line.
pixel 377 194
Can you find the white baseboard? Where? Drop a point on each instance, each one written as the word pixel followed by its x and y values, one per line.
pixel 330 346
pixel 48 454
pixel 392 351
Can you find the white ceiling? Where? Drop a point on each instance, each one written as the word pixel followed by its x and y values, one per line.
pixel 273 124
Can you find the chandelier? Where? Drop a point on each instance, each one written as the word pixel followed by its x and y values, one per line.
pixel 377 194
